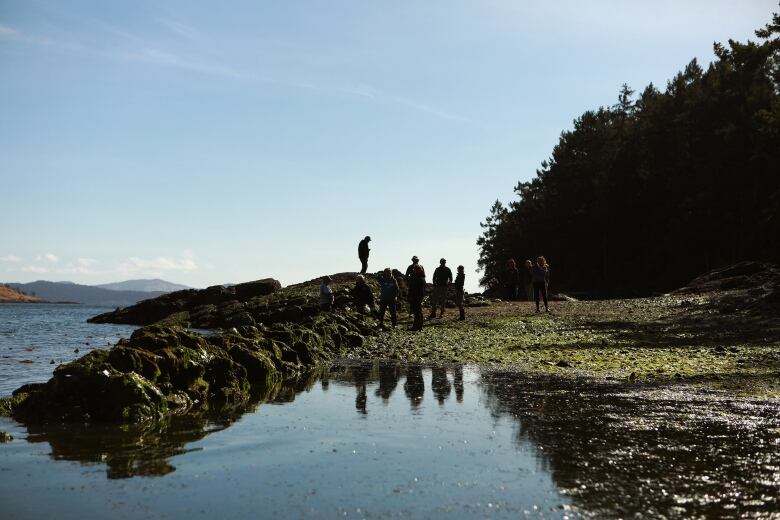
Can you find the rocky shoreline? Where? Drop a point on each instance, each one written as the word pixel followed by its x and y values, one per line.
pixel 722 331
pixel 165 368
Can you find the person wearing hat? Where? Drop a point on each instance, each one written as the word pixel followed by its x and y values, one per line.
pixel 416 295
pixel 442 278
pixel 326 294
pixel 408 276
pixel 363 254
pixel 410 269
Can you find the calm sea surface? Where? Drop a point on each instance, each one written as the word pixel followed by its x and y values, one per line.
pixel 34 335
pixel 389 440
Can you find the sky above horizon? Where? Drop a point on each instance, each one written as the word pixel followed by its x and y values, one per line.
pixel 169 139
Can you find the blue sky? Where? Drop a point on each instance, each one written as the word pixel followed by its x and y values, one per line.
pixel 209 143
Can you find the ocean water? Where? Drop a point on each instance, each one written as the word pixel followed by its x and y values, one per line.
pixel 34 335
pixel 394 440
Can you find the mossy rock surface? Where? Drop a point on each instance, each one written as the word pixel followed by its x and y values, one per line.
pixel 162 370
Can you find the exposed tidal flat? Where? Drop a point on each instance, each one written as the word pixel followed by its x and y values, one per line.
pixel 658 406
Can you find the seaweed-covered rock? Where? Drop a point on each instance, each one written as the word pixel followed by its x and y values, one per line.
pixel 163 370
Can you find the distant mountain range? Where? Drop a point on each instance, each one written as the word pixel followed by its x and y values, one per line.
pixel 155 285
pixel 96 295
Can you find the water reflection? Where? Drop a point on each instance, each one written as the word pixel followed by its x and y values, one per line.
pixel 613 451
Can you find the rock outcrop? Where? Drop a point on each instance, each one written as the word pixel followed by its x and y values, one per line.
pixel 754 285
pixel 209 308
pixel 163 370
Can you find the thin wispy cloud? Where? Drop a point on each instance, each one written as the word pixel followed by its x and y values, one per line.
pixel 10 259
pixel 179 28
pixel 37 269
pixel 156 266
pixel 143 52
pixel 48 257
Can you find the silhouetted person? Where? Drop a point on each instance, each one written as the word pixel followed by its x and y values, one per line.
pixel 388 380
pixel 511 279
pixel 363 251
pixel 416 295
pixel 525 279
pixel 442 278
pixel 408 276
pixel 460 294
pixel 440 384
pixel 363 295
pixel 540 275
pixel 326 294
pixel 388 297
pixel 457 374
pixel 414 386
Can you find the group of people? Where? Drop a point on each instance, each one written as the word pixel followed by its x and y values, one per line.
pixel 442 279
pixel 390 291
pixel 531 281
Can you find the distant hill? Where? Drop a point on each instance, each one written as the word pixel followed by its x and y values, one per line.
pixel 10 295
pixel 155 285
pixel 87 294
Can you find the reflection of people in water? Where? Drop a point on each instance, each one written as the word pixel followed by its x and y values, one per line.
pixel 388 380
pixel 440 384
pixel 458 376
pixel 414 387
pixel 361 375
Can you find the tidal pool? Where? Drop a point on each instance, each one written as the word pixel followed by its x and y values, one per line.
pixel 375 440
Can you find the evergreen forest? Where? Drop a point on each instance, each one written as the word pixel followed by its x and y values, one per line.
pixel 641 196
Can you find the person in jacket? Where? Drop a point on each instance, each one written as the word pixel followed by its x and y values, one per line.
pixel 388 297
pixel 326 294
pixel 416 295
pixel 442 278
pixel 408 276
pixel 363 251
pixel 540 276
pixel 363 296
pixel 511 279
pixel 460 279
pixel 410 269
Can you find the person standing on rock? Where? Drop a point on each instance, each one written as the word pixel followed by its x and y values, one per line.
pixel 363 251
pixel 326 294
pixel 442 278
pixel 388 297
pixel 525 277
pixel 363 296
pixel 460 294
pixel 416 295
pixel 408 275
pixel 540 276
pixel 410 269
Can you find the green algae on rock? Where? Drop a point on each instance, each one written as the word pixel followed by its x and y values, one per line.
pixel 163 370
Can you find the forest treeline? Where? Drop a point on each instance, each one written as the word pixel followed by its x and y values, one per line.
pixel 642 196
